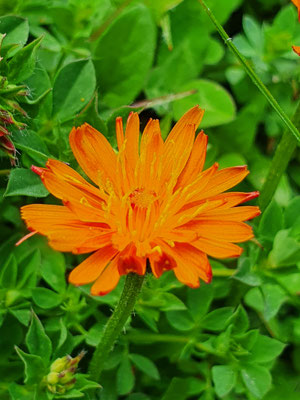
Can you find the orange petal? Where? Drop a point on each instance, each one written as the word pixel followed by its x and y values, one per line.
pixel 217 249
pixel 150 153
pixel 239 214
pixel 129 264
pixel 64 231
pixel 119 132
pixel 68 174
pixel 296 49
pixel 94 154
pixel 160 263
pixel 232 199
pixel 192 264
pixel 224 180
pixel 108 280
pixel 175 155
pixel 41 217
pixel 195 162
pixel 227 231
pixel 85 204
pixel 132 134
pixel 191 117
pixel 89 270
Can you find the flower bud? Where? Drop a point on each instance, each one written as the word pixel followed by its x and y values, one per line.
pixel 61 377
pixel 59 365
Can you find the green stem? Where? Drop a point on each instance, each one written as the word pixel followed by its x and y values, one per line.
pixel 115 324
pixel 252 74
pixel 4 171
pixel 223 272
pixel 282 156
pixel 166 338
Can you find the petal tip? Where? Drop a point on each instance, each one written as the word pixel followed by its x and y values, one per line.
pixel 37 170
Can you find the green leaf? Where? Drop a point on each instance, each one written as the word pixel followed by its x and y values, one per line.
pixel 91 116
pixel 286 250
pixel 253 32
pixel 178 389
pixel 22 64
pixel 38 83
pixel 271 221
pixel 224 378
pixel 63 333
pixel 49 41
pixel 213 98
pixel 215 52
pixel 248 339
pixel 29 266
pixel 257 379
pixel 53 269
pixel 266 349
pixel 291 213
pixel 22 316
pixel 240 320
pixel 82 383
pixel 218 319
pixel 32 144
pixel 95 334
pixel 45 298
pixel 72 394
pixel 245 273
pixel 34 367
pixel 199 301
pixel 24 182
pixel 125 377
pixel 73 88
pixel 268 300
pixel 16 29
pixel 128 45
pixel 231 160
pixel 18 392
pixel 168 302
pixel 9 273
pixel 180 320
pixel 145 365
pixel 37 341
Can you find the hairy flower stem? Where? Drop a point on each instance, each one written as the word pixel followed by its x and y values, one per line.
pixel 282 156
pixel 252 74
pixel 115 324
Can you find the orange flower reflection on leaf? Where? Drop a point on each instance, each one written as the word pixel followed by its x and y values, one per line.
pixel 297 4
pixel 150 201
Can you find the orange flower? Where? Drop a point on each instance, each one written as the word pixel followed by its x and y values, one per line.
pixel 297 4
pixel 151 201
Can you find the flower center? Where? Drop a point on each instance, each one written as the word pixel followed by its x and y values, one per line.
pixel 142 198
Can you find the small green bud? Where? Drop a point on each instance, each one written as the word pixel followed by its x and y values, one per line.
pixel 59 364
pixel 61 376
pixel 52 378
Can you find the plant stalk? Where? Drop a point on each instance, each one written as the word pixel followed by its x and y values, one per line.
pixel 115 324
pixel 252 74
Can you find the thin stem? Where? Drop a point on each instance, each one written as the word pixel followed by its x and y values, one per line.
pixel 252 74
pixel 166 338
pixel 4 171
pixel 115 324
pixel 282 156
pixel 223 272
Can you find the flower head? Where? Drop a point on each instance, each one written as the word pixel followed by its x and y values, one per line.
pixel 150 201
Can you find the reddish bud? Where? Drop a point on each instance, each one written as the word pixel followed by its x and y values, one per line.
pixel 37 170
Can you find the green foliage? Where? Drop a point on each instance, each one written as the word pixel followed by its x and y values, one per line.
pixel 69 62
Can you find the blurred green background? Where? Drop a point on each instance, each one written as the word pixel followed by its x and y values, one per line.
pixel 66 62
